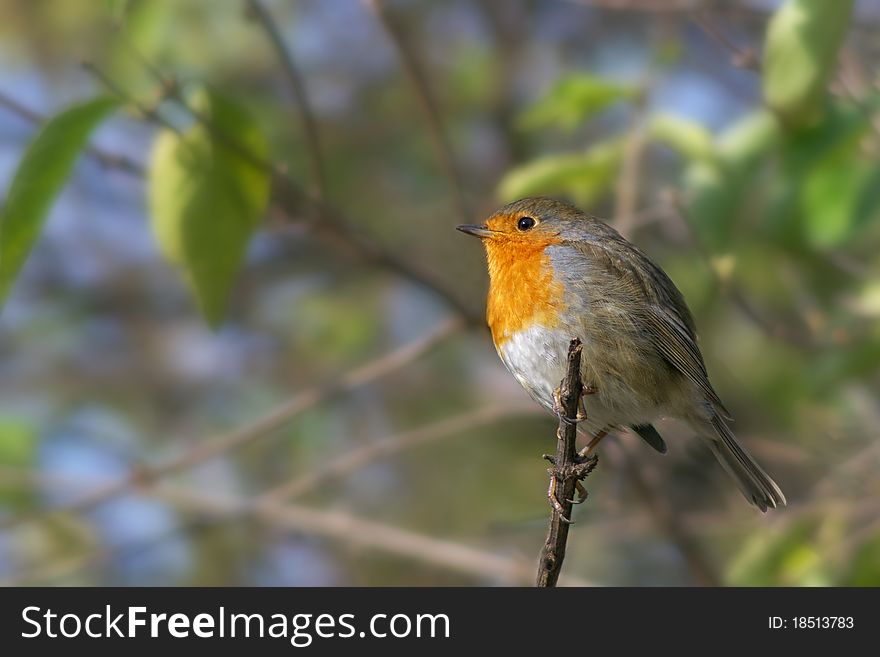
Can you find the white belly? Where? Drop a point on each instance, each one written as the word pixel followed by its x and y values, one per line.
pixel 537 358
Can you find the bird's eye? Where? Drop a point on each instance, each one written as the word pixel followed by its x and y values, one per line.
pixel 525 223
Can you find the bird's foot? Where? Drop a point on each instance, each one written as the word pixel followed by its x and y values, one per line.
pixel 559 408
pixel 576 471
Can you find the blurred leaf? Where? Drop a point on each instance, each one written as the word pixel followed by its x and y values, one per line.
pixel 864 567
pixel 748 139
pixel 788 558
pixel 585 176
pixel 45 167
pixel 17 443
pixel 206 198
pixel 839 196
pixel 799 55
pixel 867 302
pixel 573 99
pixel 717 186
pixel 844 364
pixel 804 152
pixel 687 137
pixel 143 27
pixel 117 8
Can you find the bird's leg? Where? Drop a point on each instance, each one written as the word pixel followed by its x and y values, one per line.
pixel 594 442
pixel 582 410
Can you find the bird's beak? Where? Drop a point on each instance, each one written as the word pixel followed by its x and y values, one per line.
pixel 477 231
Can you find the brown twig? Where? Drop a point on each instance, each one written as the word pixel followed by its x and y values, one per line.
pixel 628 184
pixel 567 471
pixel 350 461
pixel 356 531
pixel 297 87
pixel 413 70
pixel 746 58
pixel 333 525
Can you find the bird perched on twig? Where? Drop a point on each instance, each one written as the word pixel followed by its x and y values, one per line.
pixel 557 273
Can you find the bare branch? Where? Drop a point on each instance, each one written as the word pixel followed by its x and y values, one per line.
pixel 568 470
pixel 297 87
pixel 352 530
pixel 350 461
pixel 629 182
pixel 335 525
pixel 741 57
pixel 415 74
pixel 206 450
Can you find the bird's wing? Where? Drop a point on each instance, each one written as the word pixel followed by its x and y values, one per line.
pixel 664 313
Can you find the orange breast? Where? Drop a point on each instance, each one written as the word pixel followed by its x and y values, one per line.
pixel 522 289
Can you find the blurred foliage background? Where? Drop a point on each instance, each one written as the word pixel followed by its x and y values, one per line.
pixel 242 343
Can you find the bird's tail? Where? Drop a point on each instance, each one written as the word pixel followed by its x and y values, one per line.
pixel 755 484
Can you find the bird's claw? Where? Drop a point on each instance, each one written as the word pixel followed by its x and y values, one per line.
pixel 577 471
pixel 555 503
pixel 559 410
pixel 582 493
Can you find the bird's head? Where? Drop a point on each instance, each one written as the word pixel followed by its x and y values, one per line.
pixel 529 224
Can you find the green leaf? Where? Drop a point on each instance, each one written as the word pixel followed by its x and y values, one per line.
pixel 206 197
pixel 789 558
pixel 17 443
pixel 117 8
pixel 718 185
pixel 838 197
pixel 742 144
pixel 802 156
pixel 585 176
pixel 573 99
pixel 864 567
pixel 803 38
pixel 687 137
pixel 45 167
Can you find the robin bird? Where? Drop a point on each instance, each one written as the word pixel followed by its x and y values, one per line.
pixel 557 273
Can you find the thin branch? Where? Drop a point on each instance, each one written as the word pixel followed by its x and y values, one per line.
pixel 659 6
pixel 353 530
pixel 740 57
pixel 629 182
pixel 206 450
pixel 297 87
pixel 351 461
pixel 568 470
pixel 335 525
pixel 415 74
pixel 104 158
